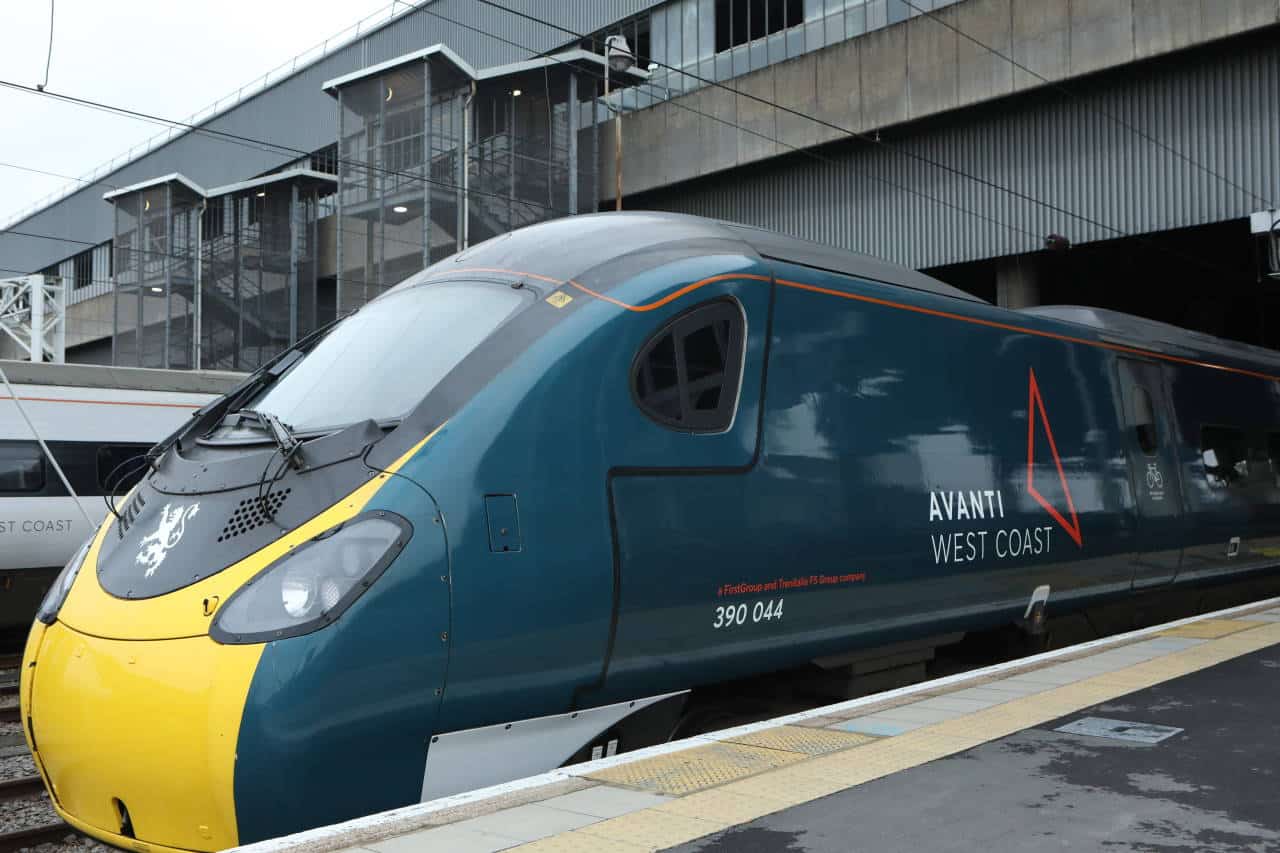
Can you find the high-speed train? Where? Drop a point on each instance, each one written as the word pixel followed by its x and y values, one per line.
pixel 95 421
pixel 508 514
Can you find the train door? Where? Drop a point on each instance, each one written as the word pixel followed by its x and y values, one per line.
pixel 680 494
pixel 1153 469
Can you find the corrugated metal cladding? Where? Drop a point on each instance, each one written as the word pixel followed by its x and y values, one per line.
pixel 1219 107
pixel 297 114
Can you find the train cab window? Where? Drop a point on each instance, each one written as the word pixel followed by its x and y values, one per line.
pixel 120 467
pixel 21 466
pixel 1143 420
pixel 1225 453
pixel 686 376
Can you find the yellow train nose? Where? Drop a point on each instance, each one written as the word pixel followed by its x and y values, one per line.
pixel 137 739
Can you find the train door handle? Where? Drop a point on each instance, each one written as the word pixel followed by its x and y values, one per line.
pixel 1233 546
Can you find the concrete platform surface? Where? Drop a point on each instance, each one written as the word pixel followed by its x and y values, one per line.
pixel 1172 743
pixel 1213 784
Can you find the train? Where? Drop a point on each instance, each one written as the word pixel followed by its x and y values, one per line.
pixel 97 422
pixel 516 511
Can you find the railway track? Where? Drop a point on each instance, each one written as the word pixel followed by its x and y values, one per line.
pixel 28 787
pixel 9 686
pixel 21 839
pixel 21 788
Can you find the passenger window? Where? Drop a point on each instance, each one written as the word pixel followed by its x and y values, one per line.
pixel 1143 421
pixel 1225 454
pixel 1273 456
pixel 686 376
pixel 21 467
pixel 120 467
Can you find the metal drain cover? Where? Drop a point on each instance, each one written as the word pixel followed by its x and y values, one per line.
pixel 1119 730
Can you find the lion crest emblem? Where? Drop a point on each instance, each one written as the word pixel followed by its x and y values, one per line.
pixel 155 546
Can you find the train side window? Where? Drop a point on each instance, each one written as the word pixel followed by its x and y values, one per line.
pixel 1273 456
pixel 21 467
pixel 120 467
pixel 1143 421
pixel 686 376
pixel 1225 453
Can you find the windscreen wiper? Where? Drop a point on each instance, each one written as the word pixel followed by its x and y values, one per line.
pixel 280 433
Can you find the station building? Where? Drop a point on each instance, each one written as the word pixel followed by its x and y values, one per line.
pixel 1117 153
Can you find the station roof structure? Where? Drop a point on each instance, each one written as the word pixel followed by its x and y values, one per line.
pixel 306 177
pixel 172 177
pixel 457 70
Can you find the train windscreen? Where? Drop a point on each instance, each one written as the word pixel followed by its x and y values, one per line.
pixel 383 360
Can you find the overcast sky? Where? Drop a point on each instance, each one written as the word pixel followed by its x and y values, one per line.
pixel 165 57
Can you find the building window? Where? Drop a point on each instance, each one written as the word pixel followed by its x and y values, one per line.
pixel 1225 454
pixel 1143 421
pixel 741 21
pixel 82 266
pixel 21 467
pixel 686 376
pixel 326 159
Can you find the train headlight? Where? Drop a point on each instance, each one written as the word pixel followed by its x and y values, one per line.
pixel 313 585
pixel 57 593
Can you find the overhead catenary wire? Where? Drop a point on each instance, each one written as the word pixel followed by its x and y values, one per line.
pixel 48 59
pixel 36 171
pixel 109 283
pixel 22 410
pixel 253 142
pixel 248 141
pixel 798 149
pixel 1059 87
pixel 877 141
pixel 873 139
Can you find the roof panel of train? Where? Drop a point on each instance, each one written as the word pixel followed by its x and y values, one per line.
pixel 1140 332
pixel 121 378
pixel 608 247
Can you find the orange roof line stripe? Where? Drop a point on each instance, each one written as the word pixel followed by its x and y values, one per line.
pixel 873 300
pixel 674 295
pixel 995 324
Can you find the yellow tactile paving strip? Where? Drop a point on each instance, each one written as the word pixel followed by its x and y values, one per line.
pixel 1209 629
pixel 695 769
pixel 802 740
pixel 811 775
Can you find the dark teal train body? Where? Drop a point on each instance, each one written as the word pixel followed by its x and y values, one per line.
pixel 695 452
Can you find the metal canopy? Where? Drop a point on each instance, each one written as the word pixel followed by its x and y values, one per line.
pixel 558 66
pixel 306 179
pixel 453 68
pixel 172 177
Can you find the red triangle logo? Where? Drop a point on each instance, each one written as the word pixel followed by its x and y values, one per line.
pixel 1035 408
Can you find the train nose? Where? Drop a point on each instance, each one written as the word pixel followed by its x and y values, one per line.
pixel 137 738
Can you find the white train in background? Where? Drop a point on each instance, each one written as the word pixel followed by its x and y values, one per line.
pixel 92 420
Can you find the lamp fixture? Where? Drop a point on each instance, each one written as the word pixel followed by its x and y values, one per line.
pixel 390 92
pixel 515 93
pixel 618 54
pixel 146 204
pixel 262 193
pixel 400 208
pixel 157 289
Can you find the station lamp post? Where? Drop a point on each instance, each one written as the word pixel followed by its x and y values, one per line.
pixel 618 58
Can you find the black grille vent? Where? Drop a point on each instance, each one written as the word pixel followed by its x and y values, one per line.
pixel 130 514
pixel 249 514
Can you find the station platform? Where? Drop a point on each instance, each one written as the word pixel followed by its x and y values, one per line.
pixel 1164 738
